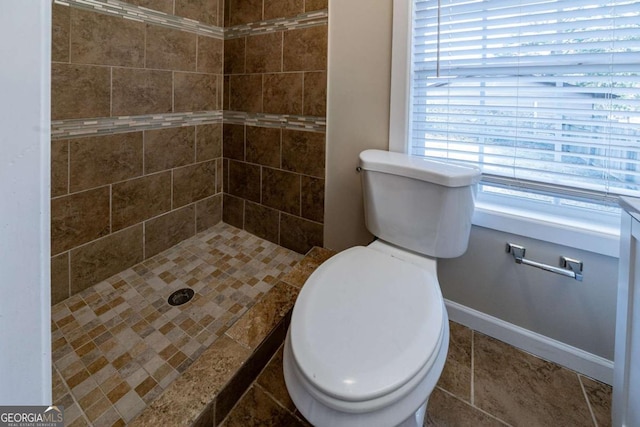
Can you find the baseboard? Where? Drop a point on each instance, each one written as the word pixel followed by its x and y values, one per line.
pixel 544 347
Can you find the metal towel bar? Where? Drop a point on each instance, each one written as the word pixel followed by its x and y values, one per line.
pixel 568 266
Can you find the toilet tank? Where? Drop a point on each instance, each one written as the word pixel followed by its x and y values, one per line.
pixel 419 204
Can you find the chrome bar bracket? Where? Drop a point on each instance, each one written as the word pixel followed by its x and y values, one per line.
pixel 569 267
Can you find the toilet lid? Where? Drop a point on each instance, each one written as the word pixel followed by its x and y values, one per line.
pixel 365 323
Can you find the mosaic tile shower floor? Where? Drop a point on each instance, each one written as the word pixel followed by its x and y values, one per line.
pixel 118 344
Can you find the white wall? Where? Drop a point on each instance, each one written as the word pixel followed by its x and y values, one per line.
pixel 486 279
pixel 25 331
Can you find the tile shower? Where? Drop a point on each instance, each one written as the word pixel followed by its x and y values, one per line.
pixel 168 116
pixel 163 109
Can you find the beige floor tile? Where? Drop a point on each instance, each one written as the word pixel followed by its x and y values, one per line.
pixel 446 410
pixel 599 396
pixel 523 390
pixel 456 376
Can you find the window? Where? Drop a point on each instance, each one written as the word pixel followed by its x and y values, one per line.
pixel 544 95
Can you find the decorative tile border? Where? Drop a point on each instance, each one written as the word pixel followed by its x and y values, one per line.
pixel 74 128
pixel 285 121
pixel 142 14
pixel 64 129
pixel 305 20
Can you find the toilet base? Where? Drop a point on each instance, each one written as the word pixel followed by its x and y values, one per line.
pixel 414 403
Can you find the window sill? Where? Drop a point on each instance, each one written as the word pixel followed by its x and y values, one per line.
pixel 584 235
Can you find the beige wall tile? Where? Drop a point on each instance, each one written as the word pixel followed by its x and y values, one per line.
pixel 195 92
pixel 261 221
pixel 208 142
pixel 79 91
pixel 315 94
pixel 233 141
pixel 105 257
pixel 282 8
pixel 305 49
pixel 201 10
pixel 282 93
pixel 299 234
pixel 169 229
pixel 234 55
pixel 264 53
pixel 165 6
pixel 263 146
pixel 220 174
pixel 139 199
pixel 59 278
pixel 208 212
pixel 137 92
pixel 281 190
pixel 244 11
pixel 59 168
pixel 79 218
pixel 303 152
pixel 168 148
pixel 312 198
pixel 244 180
pixel 60 33
pixel 101 160
pixel 311 5
pixel 210 55
pixel 245 93
pixel 233 210
pixel 106 40
pixel 194 182
pixel 226 100
pixel 170 49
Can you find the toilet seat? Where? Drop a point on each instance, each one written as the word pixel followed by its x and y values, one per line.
pixel 366 328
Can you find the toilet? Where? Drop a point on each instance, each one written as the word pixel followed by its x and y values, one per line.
pixel 369 330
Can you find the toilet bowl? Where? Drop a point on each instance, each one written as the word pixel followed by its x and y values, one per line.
pixel 369 330
pixel 368 339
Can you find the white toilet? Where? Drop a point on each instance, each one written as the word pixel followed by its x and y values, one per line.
pixel 369 331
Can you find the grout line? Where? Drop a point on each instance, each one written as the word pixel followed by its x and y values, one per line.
pixel 197 47
pixel 110 91
pixel 586 397
pixel 69 272
pixel 110 208
pixel 304 80
pixel 473 338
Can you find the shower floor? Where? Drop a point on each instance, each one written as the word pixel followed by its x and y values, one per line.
pixel 119 344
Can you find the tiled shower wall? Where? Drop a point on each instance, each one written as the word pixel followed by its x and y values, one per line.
pixel 137 133
pixel 134 170
pixel 275 174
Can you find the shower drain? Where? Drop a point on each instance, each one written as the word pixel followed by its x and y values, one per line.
pixel 180 296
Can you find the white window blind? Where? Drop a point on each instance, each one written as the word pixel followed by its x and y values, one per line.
pixel 543 94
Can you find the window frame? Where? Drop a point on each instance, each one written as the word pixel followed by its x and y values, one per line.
pixel 509 217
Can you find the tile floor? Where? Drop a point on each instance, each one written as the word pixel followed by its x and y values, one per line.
pixel 118 344
pixel 485 383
